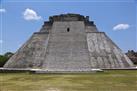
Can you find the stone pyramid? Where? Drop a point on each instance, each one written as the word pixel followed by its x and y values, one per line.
pixel 69 42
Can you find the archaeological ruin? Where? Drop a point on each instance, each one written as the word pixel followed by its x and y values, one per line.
pixel 69 42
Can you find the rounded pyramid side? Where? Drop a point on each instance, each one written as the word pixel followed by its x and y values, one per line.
pixel 104 53
pixel 31 54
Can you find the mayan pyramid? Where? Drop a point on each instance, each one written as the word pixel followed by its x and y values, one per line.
pixel 69 42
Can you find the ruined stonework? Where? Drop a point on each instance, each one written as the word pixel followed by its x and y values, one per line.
pixel 69 42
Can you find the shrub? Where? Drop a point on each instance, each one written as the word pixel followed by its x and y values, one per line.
pixel 3 60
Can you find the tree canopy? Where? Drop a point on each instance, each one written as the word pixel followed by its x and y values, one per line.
pixel 4 58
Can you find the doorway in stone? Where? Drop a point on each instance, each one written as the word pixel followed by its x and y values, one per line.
pixel 68 29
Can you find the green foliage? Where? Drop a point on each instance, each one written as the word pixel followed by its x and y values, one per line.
pixel 132 55
pixel 3 60
pixel 8 54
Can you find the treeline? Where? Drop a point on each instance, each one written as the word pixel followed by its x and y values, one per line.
pixel 132 55
pixel 4 58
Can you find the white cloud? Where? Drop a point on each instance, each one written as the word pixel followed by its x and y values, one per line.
pixel 30 14
pixel 1 41
pixel 121 27
pixel 2 10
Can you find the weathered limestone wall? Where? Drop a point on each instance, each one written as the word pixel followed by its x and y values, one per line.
pixel 68 44
pixel 67 51
pixel 104 53
pixel 31 54
pixel 90 29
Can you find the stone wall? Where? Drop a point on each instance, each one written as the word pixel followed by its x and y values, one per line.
pixel 67 51
pixel 104 53
pixel 31 54
pixel 69 45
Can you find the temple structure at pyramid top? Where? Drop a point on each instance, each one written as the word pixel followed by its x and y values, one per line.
pixel 69 42
pixel 69 17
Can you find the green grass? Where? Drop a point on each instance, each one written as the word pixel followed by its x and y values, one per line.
pixel 119 80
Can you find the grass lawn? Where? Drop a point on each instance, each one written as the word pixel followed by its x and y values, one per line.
pixel 118 80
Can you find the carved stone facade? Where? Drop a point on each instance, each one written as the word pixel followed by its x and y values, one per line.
pixel 69 42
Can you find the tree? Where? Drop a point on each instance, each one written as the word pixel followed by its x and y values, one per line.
pixel 132 55
pixel 8 54
pixel 4 58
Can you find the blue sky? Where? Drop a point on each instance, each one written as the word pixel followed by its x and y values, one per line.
pixel 107 14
